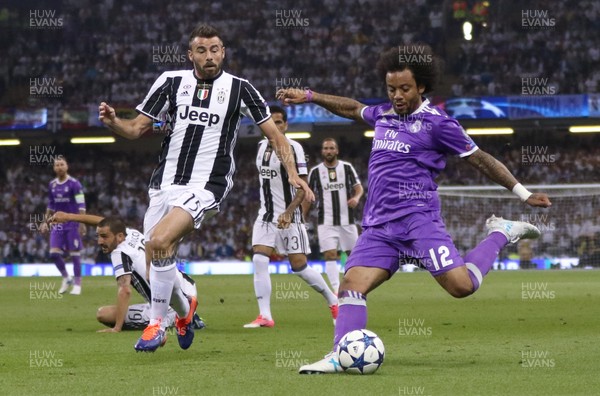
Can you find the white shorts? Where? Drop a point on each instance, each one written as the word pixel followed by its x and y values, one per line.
pixel 187 284
pixel 138 317
pixel 291 240
pixel 199 203
pixel 337 237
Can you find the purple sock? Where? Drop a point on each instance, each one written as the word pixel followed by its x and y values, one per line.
pixel 60 264
pixel 352 314
pixel 479 261
pixel 76 270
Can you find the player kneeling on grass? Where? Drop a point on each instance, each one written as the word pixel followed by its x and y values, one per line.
pixel 127 253
pixel 402 218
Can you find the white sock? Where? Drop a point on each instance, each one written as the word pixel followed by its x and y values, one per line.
pixel 179 301
pixel 170 320
pixel 316 281
pixel 162 280
pixel 333 273
pixel 262 285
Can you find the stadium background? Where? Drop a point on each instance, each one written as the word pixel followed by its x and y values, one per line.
pixel 94 51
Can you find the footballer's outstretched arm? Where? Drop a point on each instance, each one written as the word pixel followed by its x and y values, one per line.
pixel 63 217
pixel 499 173
pixel 129 129
pixel 338 105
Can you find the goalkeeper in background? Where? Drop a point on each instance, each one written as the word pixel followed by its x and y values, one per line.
pixel 402 222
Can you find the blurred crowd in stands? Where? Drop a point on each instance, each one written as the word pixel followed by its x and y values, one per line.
pixel 114 186
pixel 110 50
pixel 113 51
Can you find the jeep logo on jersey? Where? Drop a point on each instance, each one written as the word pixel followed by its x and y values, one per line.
pixel 333 186
pixel 198 114
pixel 267 173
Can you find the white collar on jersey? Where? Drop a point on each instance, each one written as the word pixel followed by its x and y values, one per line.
pixel 61 183
pixel 424 103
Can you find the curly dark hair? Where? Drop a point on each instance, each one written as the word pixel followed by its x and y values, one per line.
pixel 418 58
pixel 204 31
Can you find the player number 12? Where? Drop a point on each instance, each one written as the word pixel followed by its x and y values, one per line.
pixel 443 252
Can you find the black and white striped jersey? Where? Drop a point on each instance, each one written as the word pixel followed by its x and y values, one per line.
pixel 129 258
pixel 333 187
pixel 203 119
pixel 276 193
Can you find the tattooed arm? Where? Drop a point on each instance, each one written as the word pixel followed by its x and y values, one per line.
pixel 498 173
pixel 492 168
pixel 338 105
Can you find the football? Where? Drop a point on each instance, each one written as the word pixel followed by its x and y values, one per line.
pixel 360 352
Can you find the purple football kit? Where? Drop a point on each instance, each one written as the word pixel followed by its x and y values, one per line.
pixel 402 222
pixel 65 197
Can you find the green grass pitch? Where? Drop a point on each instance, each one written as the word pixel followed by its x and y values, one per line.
pixel 523 333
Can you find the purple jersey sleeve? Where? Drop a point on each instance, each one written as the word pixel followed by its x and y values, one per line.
pixel 51 205
pixel 78 194
pixel 452 139
pixel 369 114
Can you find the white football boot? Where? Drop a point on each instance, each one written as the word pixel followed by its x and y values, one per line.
pixel 513 230
pixel 328 365
pixel 66 283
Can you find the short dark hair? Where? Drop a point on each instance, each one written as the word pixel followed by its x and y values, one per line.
pixel 114 223
pixel 204 31
pixel 280 110
pixel 421 61
pixel 330 139
pixel 59 157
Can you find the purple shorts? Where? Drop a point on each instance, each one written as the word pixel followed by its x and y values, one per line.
pixel 418 238
pixel 67 239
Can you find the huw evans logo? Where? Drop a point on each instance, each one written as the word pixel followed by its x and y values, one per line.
pixel 45 19
pixel 45 87
pixel 537 359
pixel 536 291
pixel 291 19
pixel 413 327
pixel 537 19
pixel 537 86
pixel 537 155
pixel 167 54
pixel 413 54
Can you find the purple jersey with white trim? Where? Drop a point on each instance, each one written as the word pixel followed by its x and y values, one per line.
pixel 408 153
pixel 66 197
